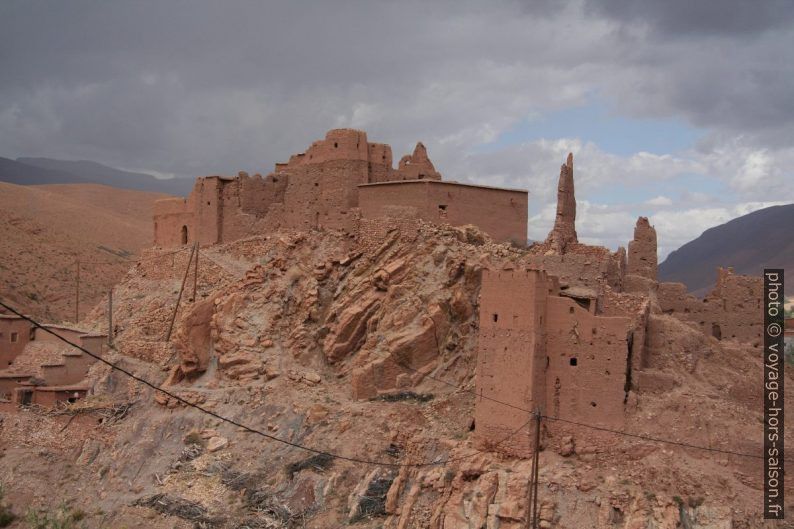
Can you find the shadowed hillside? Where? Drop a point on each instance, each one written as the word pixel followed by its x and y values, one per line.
pixel 750 243
pixel 36 171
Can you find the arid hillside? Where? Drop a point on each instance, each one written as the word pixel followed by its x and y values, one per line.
pixel 366 348
pixel 47 229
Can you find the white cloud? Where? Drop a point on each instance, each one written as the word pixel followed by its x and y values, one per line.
pixel 658 202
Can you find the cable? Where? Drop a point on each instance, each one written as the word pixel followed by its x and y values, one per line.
pixel 593 427
pixel 139 260
pixel 243 426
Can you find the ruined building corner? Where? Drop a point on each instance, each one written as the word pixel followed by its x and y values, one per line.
pixel 642 255
pixel 564 231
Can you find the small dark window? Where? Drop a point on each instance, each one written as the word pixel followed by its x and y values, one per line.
pixel 275 180
pixel 570 309
pixel 573 361
pixel 14 337
pixel 184 234
pixel 495 317
pixel 72 400
pixel 442 207
pixel 316 184
pixel 593 404
pixel 336 145
pixel 208 202
pixel 421 176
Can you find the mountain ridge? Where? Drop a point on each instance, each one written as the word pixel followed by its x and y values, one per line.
pixel 748 244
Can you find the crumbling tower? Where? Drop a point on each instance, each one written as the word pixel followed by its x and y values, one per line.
pixel 564 231
pixel 642 260
pixel 417 166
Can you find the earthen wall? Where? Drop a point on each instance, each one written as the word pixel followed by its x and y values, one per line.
pixel 15 333
pixel 502 213
pixel 511 357
pixel 732 310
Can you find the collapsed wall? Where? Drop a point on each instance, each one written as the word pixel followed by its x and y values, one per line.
pixel 732 310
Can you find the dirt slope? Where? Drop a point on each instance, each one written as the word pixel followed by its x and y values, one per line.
pixel 47 228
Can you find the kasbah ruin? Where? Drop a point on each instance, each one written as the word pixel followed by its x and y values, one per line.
pixel 388 315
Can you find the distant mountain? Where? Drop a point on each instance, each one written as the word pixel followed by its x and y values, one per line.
pixel 750 243
pixel 36 171
pixel 18 173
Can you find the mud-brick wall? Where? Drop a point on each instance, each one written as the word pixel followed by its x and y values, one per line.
pixel 9 382
pixel 501 213
pixel 731 311
pixel 71 371
pixel 14 335
pixel 49 398
pixel 511 357
pixel 588 363
pixel 583 269
pixel 323 195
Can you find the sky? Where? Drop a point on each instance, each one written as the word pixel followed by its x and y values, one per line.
pixel 678 110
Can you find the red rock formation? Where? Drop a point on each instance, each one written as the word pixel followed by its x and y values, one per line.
pixel 564 231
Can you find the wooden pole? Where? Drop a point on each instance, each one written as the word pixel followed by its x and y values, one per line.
pixel 195 272
pixel 531 488
pixel 535 464
pixel 110 316
pixel 179 297
pixel 77 292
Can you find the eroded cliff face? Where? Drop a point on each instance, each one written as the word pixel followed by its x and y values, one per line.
pixel 365 347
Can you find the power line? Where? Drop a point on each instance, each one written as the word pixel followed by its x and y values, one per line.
pixel 591 426
pixel 450 384
pixel 243 426
pixel 132 261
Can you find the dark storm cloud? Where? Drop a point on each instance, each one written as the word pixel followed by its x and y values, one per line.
pixel 197 87
pixel 699 17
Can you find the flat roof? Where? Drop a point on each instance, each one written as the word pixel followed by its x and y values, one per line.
pixel 61 327
pixel 14 375
pixel 442 182
pixel 62 388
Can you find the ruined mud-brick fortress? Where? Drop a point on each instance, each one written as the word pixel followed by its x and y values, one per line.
pixel 572 334
pixel 333 185
pixel 574 331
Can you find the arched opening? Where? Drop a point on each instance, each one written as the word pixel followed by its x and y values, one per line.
pixel 184 234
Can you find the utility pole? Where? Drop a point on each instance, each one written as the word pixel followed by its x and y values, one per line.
pixel 179 297
pixel 195 272
pixel 110 317
pixel 535 464
pixel 77 292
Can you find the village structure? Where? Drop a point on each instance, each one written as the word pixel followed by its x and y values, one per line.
pixel 38 368
pixel 568 334
pixel 333 185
